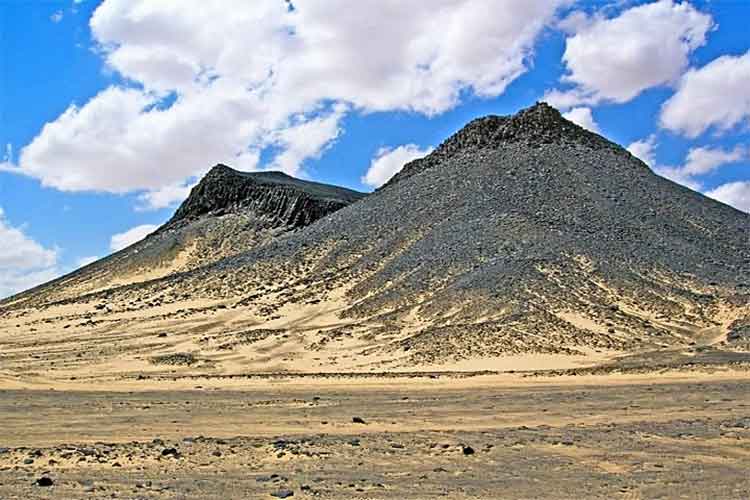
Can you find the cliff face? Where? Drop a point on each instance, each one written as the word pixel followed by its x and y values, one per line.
pixel 278 198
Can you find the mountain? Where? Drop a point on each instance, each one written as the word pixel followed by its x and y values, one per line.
pixel 227 213
pixel 523 236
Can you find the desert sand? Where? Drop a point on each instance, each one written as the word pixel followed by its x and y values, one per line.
pixel 685 435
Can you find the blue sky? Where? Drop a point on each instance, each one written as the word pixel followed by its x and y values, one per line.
pixel 110 110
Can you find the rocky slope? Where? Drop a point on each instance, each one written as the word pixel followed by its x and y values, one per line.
pixel 521 235
pixel 227 213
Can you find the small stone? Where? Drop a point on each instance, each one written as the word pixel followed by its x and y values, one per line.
pixel 358 420
pixel 283 494
pixel 468 450
pixel 167 452
pixel 44 481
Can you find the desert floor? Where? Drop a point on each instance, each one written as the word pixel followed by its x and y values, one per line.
pixel 677 434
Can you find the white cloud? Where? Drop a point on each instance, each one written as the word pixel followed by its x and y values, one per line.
pixel 699 161
pixel 85 261
pixel 388 162
pixel 716 95
pixel 203 88
pixel 644 150
pixel 24 263
pixel 574 22
pixel 165 197
pixel 124 240
pixel 615 59
pixel 736 194
pixel 583 117
pixel 307 139
pixel 56 17
pixel 702 160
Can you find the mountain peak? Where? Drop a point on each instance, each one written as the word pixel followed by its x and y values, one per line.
pixel 536 126
pixel 285 200
pixel 220 168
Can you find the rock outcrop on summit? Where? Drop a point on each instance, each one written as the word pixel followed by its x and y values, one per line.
pixel 520 235
pixel 281 200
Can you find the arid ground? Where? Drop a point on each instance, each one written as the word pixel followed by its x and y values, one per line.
pixel 683 434
pixel 527 312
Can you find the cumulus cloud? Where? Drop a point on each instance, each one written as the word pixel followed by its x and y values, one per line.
pixel 699 161
pixel 645 150
pixel 583 117
pixel 704 160
pixel 306 139
pixel 124 240
pixel 201 88
pixel 615 59
pixel 716 95
pixel 736 194
pixel 56 17
pixel 389 161
pixel 24 263
pixel 165 197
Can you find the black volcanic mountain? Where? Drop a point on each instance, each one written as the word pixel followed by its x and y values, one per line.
pixel 228 212
pixel 518 235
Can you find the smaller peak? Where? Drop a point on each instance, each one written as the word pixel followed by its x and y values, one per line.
pixel 221 169
pixel 224 190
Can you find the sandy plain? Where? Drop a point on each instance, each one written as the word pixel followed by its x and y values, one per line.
pixel 681 434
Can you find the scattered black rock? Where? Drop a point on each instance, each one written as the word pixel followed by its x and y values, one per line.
pixel 283 494
pixel 467 450
pixel 358 420
pixel 44 481
pixel 170 452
